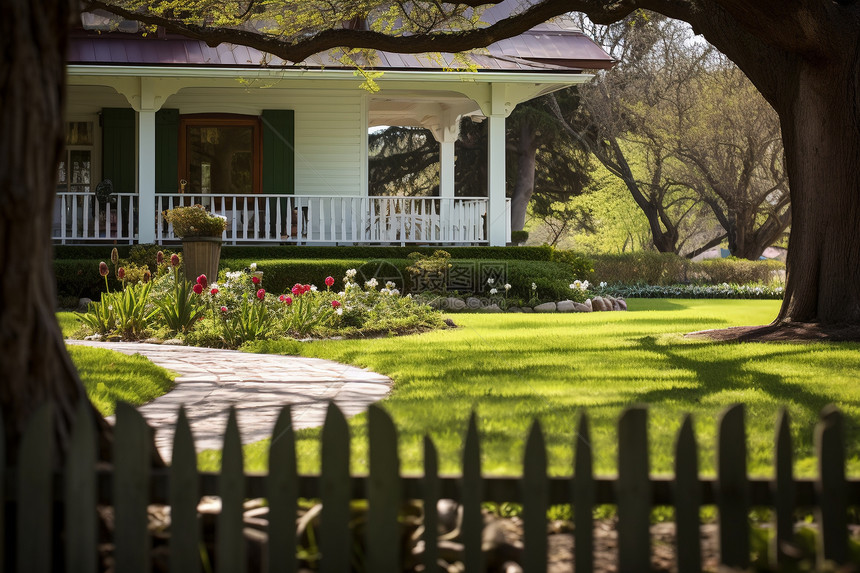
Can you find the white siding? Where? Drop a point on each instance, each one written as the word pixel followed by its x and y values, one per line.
pixel 330 137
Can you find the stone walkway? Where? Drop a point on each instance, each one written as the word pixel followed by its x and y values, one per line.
pixel 209 381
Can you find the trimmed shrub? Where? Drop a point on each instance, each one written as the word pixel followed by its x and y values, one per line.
pixel 735 271
pixel 647 267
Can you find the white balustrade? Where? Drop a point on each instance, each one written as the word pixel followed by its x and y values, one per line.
pixel 79 218
pixel 331 219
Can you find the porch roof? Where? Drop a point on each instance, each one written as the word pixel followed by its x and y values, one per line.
pixel 557 46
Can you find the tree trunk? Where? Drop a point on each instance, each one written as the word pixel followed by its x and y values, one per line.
pixel 525 183
pixel 34 361
pixel 821 130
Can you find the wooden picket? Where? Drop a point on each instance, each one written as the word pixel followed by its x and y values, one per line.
pixel 132 483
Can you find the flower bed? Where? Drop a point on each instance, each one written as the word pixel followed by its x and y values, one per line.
pixel 238 308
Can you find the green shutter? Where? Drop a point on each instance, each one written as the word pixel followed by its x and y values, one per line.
pixel 118 154
pixel 167 151
pixel 278 151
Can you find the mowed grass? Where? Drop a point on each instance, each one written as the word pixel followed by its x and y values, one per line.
pixel 110 376
pixel 513 368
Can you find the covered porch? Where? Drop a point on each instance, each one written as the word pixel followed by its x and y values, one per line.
pixel 281 150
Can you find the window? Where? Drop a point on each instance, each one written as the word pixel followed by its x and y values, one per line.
pixel 220 154
pixel 75 171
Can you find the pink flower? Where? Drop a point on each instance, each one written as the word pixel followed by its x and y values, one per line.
pixel 261 293
pixel 296 290
pixel 329 281
pixel 159 258
pixel 288 300
pixel 213 292
pixel 120 273
pixel 198 288
pixel 103 269
pixel 223 309
pixel 306 288
pixel 255 280
pixel 335 304
pixel 174 260
pixel 201 280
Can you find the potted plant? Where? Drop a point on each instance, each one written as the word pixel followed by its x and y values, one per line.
pixel 200 232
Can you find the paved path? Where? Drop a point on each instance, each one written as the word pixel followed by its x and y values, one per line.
pixel 209 381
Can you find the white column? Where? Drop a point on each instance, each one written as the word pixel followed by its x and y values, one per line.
pixel 146 175
pixel 446 188
pixel 496 212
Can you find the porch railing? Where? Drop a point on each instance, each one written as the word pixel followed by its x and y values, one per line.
pixel 333 219
pixel 82 218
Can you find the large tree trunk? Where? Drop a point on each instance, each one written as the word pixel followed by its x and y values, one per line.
pixel 35 365
pixel 821 130
pixel 525 183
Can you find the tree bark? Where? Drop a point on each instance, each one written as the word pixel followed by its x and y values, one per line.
pixel 35 365
pixel 821 129
pixel 524 186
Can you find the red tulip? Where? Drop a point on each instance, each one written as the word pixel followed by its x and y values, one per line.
pixel 120 273
pixel 335 304
pixel 201 280
pixel 198 288
pixel 213 292
pixel 103 269
pixel 174 260
pixel 329 281
pixel 255 280
pixel 261 293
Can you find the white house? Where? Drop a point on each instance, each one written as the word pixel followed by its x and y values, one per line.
pixel 281 149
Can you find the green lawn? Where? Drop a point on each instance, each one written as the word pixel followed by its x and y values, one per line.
pixel 110 376
pixel 513 368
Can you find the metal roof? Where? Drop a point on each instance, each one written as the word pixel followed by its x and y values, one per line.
pixel 554 46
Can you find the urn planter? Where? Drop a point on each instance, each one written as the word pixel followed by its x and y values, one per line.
pixel 201 256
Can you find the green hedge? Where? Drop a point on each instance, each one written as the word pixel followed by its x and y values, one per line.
pixel 662 269
pixel 258 253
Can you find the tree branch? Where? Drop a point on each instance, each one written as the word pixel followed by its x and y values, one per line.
pixel 300 49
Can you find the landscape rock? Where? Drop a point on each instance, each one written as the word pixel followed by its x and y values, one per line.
pixel 615 304
pixel 566 306
pixel 589 305
pixel 84 304
pixel 579 307
pixel 174 342
pixel 515 309
pixel 473 303
pixel 597 304
pixel 454 303
pixel 153 340
pixel 622 304
pixel 492 308
pixel 94 337
pixel 449 515
pixel 545 307
pixel 528 309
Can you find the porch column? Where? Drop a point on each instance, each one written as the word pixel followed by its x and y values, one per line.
pixel 146 175
pixel 446 183
pixel 496 212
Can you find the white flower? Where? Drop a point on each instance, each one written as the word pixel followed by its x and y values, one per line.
pixel 585 285
pixel 395 291
pixel 234 275
pixel 110 307
pixel 493 291
pixel 351 273
pixel 253 267
pixel 314 288
pixel 409 295
pixel 491 280
pixel 534 286
pixel 507 287
pixel 371 283
pixel 390 285
pixel 339 311
pixel 603 284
